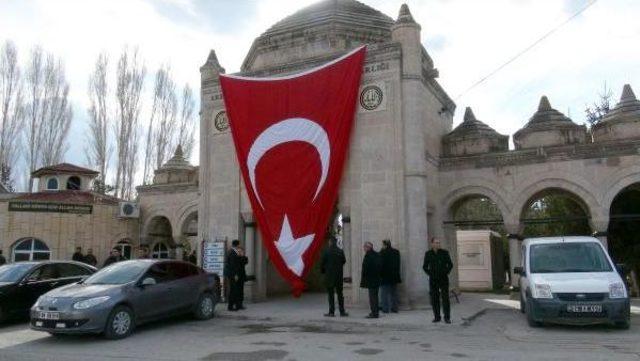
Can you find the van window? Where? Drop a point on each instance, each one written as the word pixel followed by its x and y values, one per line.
pixel 568 257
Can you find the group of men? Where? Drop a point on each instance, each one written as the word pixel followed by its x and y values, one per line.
pixel 381 272
pixel 88 258
pixel 234 270
pixel 116 256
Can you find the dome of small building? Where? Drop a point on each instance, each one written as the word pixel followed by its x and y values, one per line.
pixel 329 26
pixel 621 122
pixel 175 170
pixel 549 127
pixel 473 137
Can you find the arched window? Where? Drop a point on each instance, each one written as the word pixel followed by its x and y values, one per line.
pixel 52 184
pixel 124 247
pixel 73 183
pixel 30 249
pixel 160 250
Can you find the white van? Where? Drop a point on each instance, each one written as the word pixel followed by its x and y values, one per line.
pixel 571 280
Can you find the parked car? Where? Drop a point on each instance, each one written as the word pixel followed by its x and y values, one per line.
pixel 123 295
pixel 22 283
pixel 571 280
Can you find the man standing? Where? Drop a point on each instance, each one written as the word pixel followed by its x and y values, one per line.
pixel 90 259
pixel 236 275
pixel 2 259
pixel 113 258
pixel 371 277
pixel 437 264
pixel 78 256
pixel 193 257
pixel 390 276
pixel 332 265
pixel 143 252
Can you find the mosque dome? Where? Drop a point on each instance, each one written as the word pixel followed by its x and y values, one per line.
pixel 473 137
pixel 622 122
pixel 324 28
pixel 549 127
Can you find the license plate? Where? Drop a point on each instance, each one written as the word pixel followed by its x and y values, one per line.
pixel 584 308
pixel 49 315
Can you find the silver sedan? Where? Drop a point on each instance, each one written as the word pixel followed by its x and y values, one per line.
pixel 117 298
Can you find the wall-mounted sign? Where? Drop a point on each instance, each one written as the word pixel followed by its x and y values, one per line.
pixel 373 97
pixel 221 122
pixel 50 207
pixel 213 253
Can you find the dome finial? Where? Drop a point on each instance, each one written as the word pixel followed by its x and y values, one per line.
pixel 405 16
pixel 468 115
pixel 179 153
pixel 212 62
pixel 627 94
pixel 544 103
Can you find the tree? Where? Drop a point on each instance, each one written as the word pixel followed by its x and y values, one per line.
pixel 161 128
pixel 130 77
pixel 186 132
pixel 600 108
pixel 48 112
pixel 11 111
pixel 99 149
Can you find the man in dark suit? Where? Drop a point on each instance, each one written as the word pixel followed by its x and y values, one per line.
pixel 390 277
pixel 2 259
pixel 331 266
pixel 236 275
pixel 437 264
pixel 78 256
pixel 370 278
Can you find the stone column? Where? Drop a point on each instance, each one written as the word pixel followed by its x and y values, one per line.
pixel 407 32
pixel 346 247
pixel 450 243
pixel 515 256
pixel 600 228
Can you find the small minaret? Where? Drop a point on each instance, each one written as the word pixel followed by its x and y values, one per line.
pixel 407 32
pixel 211 68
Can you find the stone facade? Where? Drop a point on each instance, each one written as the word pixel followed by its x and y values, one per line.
pixel 74 218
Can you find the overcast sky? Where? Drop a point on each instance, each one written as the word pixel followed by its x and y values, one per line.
pixel 467 40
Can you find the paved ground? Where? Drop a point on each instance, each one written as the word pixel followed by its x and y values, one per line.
pixel 486 327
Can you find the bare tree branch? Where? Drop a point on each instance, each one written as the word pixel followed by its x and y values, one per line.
pixel 130 79
pixel 186 134
pixel 11 111
pixel 99 149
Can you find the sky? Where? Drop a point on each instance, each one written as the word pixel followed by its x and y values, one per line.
pixel 467 39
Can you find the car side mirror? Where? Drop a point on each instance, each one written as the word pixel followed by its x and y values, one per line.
pixel 519 271
pixel 148 282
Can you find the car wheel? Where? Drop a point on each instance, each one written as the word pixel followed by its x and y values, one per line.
pixel 204 307
pixel 530 320
pixel 120 323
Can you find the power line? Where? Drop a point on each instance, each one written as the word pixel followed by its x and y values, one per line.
pixel 525 50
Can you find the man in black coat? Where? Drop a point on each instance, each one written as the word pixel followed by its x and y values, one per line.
pixel 331 266
pixel 437 264
pixel 113 258
pixel 390 276
pixel 78 256
pixel 90 259
pixel 2 259
pixel 236 275
pixel 371 277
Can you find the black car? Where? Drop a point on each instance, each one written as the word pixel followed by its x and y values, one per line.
pixel 22 283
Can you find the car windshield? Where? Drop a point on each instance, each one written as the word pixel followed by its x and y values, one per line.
pixel 118 273
pixel 568 257
pixel 14 272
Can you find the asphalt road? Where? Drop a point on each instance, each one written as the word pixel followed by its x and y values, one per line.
pixel 491 334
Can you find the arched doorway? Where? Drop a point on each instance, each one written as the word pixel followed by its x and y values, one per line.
pixel 623 234
pixel 481 243
pixel 159 231
pixel 160 250
pixel 189 233
pixel 30 249
pixel 555 212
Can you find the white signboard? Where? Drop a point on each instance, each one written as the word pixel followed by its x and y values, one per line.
pixel 213 256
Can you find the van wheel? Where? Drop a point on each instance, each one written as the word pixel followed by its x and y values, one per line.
pixel 624 325
pixel 530 320
pixel 120 323
pixel 204 307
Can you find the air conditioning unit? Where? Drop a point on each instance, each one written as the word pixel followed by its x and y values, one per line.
pixel 129 210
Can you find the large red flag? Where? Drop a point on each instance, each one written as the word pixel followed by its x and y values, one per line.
pixel 291 136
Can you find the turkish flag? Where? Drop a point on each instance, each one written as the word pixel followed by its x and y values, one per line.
pixel 291 136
